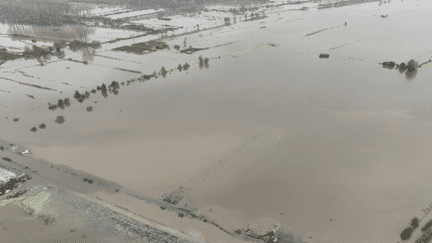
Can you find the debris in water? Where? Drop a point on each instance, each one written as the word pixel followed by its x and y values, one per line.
pixel 26 152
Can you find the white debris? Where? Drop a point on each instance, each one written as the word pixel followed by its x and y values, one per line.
pixel 26 152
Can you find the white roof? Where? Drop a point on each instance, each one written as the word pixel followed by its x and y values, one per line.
pixel 6 175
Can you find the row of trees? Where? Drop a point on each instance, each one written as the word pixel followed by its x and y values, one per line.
pixel 38 12
pixel 59 12
pixel 180 67
pixel 186 66
pixel 410 69
pixel 415 222
pixel 44 54
pixel 49 12
pixel 407 232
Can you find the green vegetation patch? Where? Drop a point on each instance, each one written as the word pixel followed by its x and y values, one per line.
pixel 143 47
pixel 240 52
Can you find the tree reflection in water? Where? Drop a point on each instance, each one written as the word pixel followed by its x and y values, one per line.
pixel 76 35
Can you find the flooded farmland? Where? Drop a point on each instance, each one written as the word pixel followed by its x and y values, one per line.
pixel 335 149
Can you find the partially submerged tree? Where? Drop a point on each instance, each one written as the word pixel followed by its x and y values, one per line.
pixel 59 120
pixel 206 60
pixel 406 233
pixel 38 53
pixel 201 61
pixel 402 67
pixel 412 68
pixel 415 222
pixel 163 72
pixel 412 65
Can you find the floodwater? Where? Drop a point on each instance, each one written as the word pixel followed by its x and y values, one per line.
pixel 337 149
pixel 48 34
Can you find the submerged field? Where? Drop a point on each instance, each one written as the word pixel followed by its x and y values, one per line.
pixel 267 133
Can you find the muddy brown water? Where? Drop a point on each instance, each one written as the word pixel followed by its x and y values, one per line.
pixel 338 138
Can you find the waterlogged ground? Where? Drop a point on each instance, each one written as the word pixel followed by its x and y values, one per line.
pixel 337 149
pixel 49 214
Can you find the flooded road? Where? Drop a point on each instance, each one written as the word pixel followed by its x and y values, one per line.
pixel 337 148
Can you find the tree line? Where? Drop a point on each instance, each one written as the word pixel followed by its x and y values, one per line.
pixel 38 12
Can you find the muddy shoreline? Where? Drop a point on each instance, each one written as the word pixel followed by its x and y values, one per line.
pixel 73 181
